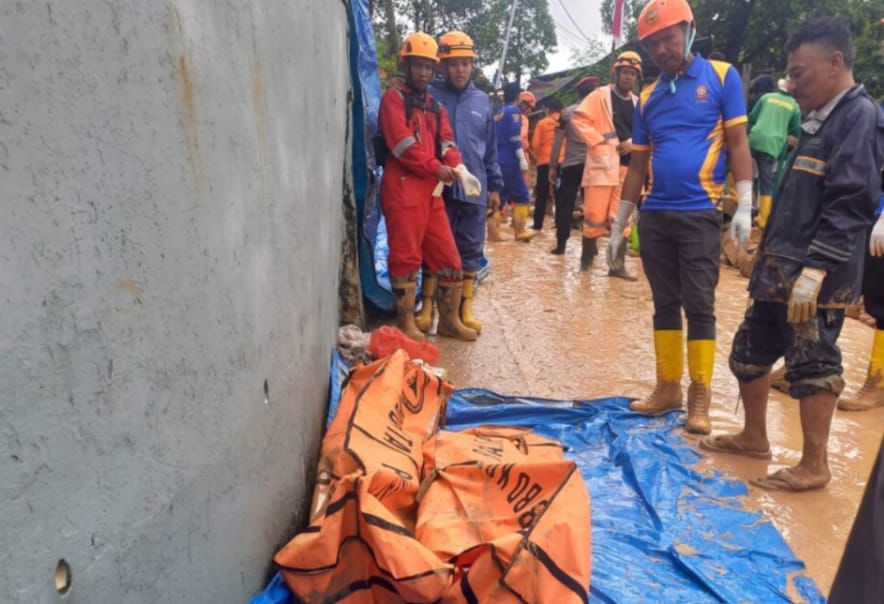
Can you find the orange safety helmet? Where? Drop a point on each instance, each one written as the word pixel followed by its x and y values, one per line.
pixel 419 45
pixel 628 58
pixel 657 15
pixel 528 97
pixel 456 45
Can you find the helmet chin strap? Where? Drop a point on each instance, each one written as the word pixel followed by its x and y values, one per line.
pixel 690 33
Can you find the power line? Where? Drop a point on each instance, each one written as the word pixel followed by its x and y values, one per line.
pixel 565 30
pixel 568 13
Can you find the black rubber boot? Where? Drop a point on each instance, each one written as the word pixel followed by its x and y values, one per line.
pixel 560 247
pixel 590 250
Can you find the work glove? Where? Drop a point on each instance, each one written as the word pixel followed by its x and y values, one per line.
pixel 805 291
pixel 876 242
pixel 741 224
pixel 617 243
pixel 471 185
pixel 523 161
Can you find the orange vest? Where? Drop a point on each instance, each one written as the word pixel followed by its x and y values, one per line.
pixel 544 134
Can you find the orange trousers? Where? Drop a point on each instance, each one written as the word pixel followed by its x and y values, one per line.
pixel 600 203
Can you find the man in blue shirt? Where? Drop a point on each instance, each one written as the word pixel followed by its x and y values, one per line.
pixel 683 122
pixel 472 119
pixel 512 160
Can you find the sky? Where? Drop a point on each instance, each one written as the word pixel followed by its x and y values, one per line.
pixel 587 14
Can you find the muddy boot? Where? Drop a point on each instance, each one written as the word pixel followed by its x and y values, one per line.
pixel 450 324
pixel 466 302
pixel 405 290
pixel 520 221
pixel 494 226
pixel 778 380
pixel 588 253
pixel 617 267
pixel 560 248
pixel 871 395
pixel 424 319
pixel 699 399
pixel 701 363
pixel 667 394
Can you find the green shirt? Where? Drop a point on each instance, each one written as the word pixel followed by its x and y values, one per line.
pixel 774 116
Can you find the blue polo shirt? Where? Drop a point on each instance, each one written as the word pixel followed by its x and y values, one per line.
pixel 685 132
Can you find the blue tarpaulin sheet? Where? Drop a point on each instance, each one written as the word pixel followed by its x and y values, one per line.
pixel 661 530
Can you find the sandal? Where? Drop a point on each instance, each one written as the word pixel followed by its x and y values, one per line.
pixel 725 443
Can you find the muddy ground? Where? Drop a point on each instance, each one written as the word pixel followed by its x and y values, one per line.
pixel 551 331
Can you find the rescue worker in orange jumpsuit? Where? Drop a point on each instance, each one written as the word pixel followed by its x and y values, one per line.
pixel 422 157
pixel 604 121
pixel 541 146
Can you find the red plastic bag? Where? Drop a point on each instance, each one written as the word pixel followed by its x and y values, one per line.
pixel 385 340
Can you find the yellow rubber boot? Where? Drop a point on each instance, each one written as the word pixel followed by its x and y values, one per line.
pixel 466 302
pixel 701 360
pixel 871 395
pixel 405 291
pixel 765 203
pixel 494 226
pixel 424 319
pixel 450 324
pixel 667 395
pixel 520 222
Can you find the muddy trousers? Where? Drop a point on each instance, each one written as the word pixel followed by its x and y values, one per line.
pixel 566 196
pixel 600 204
pixel 467 222
pixel 813 359
pixel 418 233
pixel 541 195
pixel 680 254
pixel 873 288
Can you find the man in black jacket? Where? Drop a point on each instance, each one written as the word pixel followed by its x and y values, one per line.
pixel 810 263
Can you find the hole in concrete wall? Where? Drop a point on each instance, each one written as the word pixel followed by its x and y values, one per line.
pixel 63 578
pixel 266 393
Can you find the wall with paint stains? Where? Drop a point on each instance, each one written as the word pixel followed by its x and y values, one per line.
pixel 169 251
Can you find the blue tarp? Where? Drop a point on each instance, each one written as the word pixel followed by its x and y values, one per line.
pixel 661 530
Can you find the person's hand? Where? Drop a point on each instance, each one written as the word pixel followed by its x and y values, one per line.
pixel 741 223
pixel 625 148
pixel 471 185
pixel 805 291
pixel 553 176
pixel 793 141
pixel 494 200
pixel 617 241
pixel 876 242
pixel 446 174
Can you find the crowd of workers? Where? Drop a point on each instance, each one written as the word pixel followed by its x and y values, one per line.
pixel 453 164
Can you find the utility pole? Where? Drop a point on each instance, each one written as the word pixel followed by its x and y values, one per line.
pixel 506 42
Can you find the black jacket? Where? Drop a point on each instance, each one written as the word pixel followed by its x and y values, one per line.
pixel 825 206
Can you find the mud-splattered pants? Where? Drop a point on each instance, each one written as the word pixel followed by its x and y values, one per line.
pixel 813 359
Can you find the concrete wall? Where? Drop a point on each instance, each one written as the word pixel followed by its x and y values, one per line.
pixel 171 181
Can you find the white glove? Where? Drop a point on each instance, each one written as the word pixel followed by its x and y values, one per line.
pixel 523 162
pixel 876 242
pixel 616 243
pixel 471 185
pixel 741 224
pixel 805 291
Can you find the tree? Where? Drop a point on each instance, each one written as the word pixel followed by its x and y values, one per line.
pixel 532 37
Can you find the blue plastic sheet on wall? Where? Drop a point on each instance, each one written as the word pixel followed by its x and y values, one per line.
pixel 661 530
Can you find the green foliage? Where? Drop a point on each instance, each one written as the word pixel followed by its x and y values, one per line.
pixel 533 34
pixel 755 31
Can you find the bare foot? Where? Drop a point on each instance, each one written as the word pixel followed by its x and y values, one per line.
pixel 795 479
pixel 737 444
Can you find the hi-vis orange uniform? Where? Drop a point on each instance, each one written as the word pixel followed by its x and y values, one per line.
pixel 542 141
pixel 406 512
pixel 603 175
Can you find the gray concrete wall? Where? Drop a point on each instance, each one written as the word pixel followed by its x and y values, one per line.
pixel 171 181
